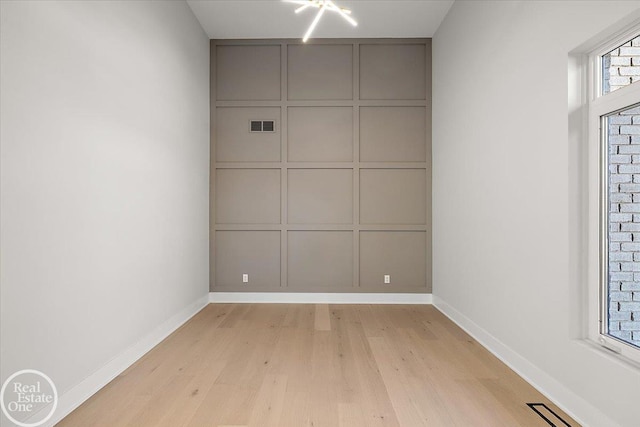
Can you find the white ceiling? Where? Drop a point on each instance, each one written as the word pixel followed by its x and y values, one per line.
pixel 260 19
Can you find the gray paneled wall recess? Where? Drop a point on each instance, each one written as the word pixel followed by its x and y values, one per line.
pixel 321 165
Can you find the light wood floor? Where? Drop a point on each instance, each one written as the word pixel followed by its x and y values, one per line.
pixel 316 365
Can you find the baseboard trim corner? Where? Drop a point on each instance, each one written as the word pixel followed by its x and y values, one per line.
pixel 75 397
pixel 317 298
pixel 570 402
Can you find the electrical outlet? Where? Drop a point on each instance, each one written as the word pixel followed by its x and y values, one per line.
pixel 245 278
pixel 387 279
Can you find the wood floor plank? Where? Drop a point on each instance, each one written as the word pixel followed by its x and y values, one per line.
pixel 322 322
pixel 376 405
pixel 155 409
pixel 396 382
pixel 224 404
pixel 306 365
pixel 267 410
pixel 350 415
pixel 297 410
pixel 300 316
pixel 182 409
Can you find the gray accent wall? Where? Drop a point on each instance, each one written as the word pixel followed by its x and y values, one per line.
pixel 339 194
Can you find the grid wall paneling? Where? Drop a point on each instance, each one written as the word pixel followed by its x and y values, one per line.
pixel 337 193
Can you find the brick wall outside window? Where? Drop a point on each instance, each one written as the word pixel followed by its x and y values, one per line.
pixel 623 65
pixel 624 225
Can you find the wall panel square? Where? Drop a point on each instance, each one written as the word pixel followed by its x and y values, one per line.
pixel 320 134
pixel 401 254
pixel 393 196
pixel 320 259
pixel 393 134
pixel 234 142
pixel 248 72
pixel 320 72
pixel 247 196
pixel 256 253
pixel 392 71
pixel 320 196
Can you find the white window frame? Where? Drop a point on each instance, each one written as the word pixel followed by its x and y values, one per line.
pixel 599 106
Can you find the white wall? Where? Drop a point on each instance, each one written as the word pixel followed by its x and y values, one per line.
pixel 504 205
pixel 104 179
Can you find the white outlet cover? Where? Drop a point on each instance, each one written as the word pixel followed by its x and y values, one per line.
pixel 387 278
pixel 245 278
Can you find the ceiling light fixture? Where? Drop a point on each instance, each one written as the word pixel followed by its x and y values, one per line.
pixel 322 6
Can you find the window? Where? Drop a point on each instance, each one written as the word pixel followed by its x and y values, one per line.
pixel 621 66
pixel 614 197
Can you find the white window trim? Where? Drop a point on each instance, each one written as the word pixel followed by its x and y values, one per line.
pixel 599 105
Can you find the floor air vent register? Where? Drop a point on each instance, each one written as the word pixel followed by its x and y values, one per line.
pixel 548 415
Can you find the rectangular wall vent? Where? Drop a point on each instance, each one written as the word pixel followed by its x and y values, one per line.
pixel 262 125
pixel 268 126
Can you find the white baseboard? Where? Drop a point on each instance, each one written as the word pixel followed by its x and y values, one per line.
pixel 87 388
pixel 317 298
pixel 570 402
